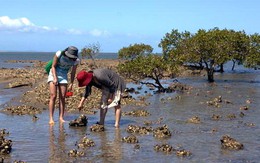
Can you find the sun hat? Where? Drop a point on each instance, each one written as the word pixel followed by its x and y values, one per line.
pixel 71 52
pixel 84 78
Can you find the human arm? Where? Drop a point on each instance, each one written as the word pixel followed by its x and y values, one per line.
pixel 80 106
pixel 84 97
pixel 110 98
pixel 72 77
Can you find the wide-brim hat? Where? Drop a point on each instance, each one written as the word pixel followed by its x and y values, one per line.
pixel 84 78
pixel 71 52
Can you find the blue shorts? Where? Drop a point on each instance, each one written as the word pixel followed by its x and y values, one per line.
pixel 62 77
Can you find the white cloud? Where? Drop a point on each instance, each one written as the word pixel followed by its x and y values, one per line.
pixel 97 33
pixel 5 21
pixel 25 25
pixel 21 25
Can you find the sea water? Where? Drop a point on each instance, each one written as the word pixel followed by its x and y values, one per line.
pixel 41 56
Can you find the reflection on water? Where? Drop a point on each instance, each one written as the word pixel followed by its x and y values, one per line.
pixel 111 150
pixel 38 142
pixel 57 144
pixel 108 146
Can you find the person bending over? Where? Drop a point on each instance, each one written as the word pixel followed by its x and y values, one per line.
pixel 111 85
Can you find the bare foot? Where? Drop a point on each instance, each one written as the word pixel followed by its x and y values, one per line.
pixel 116 126
pixel 62 120
pixel 51 122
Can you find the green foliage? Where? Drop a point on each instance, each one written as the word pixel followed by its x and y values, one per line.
pixel 172 42
pixel 252 60
pixel 239 46
pixel 140 64
pixel 133 51
pixel 209 49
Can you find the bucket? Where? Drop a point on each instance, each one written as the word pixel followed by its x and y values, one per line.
pixel 68 94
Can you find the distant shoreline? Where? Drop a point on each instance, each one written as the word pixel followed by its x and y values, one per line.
pixel 40 56
pixel 46 52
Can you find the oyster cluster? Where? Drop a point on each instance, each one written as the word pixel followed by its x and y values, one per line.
pixel 22 110
pixel 3 132
pixel 86 142
pixel 228 142
pixel 81 121
pixel 166 148
pixel 215 117
pixel 137 113
pixel 139 129
pixel 177 86
pixel 130 139
pixel 20 83
pixel 162 132
pixel 231 116
pixel 183 153
pixel 244 107
pixel 22 77
pixel 75 153
pixel 5 144
pixel 163 148
pixel 97 128
pixel 216 102
pixel 194 119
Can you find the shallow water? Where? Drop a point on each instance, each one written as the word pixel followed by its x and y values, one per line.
pixel 38 142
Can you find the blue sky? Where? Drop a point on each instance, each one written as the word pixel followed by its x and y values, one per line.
pixel 50 25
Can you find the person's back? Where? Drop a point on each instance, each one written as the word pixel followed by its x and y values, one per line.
pixel 109 79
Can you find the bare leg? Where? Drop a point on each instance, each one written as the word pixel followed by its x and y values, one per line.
pixel 103 113
pixel 62 93
pixel 117 116
pixel 53 95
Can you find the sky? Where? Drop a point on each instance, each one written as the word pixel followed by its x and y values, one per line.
pixel 51 25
